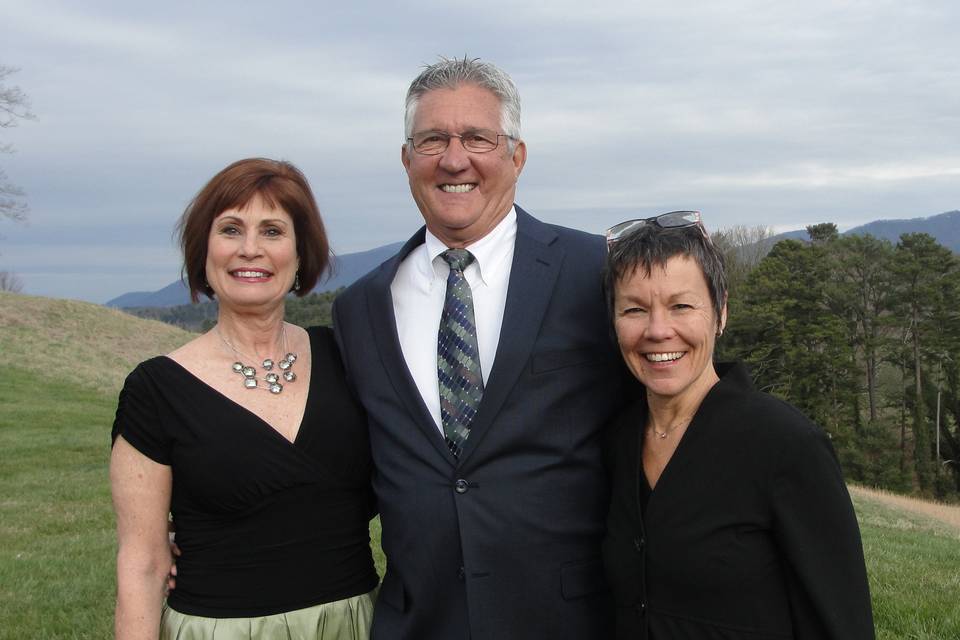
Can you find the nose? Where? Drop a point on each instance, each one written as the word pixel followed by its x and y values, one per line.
pixel 455 158
pixel 250 248
pixel 659 326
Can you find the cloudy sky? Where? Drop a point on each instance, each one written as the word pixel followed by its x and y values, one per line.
pixel 776 113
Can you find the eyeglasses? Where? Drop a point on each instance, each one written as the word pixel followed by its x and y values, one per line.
pixel 433 143
pixel 670 220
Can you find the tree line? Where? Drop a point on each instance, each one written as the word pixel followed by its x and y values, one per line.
pixel 863 336
pixel 310 310
pixel 860 334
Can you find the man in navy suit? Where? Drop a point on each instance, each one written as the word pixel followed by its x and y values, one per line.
pixel 493 534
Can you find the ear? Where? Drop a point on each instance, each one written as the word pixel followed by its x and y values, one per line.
pixel 723 318
pixel 405 157
pixel 519 157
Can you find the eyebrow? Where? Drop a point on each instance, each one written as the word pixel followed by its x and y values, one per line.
pixel 469 129
pixel 671 298
pixel 231 218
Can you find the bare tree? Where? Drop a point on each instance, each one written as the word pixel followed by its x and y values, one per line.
pixel 743 248
pixel 14 106
pixel 9 281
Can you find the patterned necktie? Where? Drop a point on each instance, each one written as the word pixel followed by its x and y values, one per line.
pixel 458 359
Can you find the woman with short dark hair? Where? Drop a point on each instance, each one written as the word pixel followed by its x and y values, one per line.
pixel 249 437
pixel 729 516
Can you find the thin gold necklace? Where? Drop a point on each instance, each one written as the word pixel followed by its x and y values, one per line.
pixel 663 434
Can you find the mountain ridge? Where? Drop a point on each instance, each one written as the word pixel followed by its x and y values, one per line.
pixel 944 227
pixel 346 269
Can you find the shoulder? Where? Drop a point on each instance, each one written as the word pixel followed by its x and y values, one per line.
pixel 779 416
pixel 565 236
pixel 148 371
pixel 763 421
pixel 145 384
pixel 581 257
pixel 621 439
pixel 325 352
pixel 195 349
pixel 355 290
pixel 626 425
pixel 137 418
pixel 321 338
pixel 576 236
pixel 382 273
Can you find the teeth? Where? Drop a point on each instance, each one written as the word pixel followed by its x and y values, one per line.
pixel 458 188
pixel 250 274
pixel 663 357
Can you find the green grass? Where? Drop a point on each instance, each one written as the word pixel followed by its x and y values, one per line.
pixel 914 568
pixel 57 538
pixel 56 523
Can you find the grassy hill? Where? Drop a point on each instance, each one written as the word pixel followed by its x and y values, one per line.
pixel 63 364
pixel 79 342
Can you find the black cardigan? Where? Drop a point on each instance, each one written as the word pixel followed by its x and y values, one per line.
pixel 749 532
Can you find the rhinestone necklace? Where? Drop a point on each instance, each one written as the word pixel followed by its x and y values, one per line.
pixel 272 379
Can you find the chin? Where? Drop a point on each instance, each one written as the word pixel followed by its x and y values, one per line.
pixel 251 300
pixel 662 391
pixel 665 387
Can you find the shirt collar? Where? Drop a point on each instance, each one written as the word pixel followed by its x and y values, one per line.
pixel 491 253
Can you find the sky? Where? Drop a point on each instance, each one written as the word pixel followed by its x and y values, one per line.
pixel 775 113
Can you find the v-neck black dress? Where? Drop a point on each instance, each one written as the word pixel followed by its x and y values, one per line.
pixel 264 525
pixel 749 532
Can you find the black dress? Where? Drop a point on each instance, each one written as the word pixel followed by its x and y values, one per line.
pixel 749 532
pixel 264 525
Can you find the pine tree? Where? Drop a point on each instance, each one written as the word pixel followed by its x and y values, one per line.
pixel 923 271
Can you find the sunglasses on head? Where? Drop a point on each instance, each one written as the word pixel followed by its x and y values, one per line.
pixel 669 220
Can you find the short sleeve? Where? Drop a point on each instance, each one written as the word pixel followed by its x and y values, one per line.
pixel 138 419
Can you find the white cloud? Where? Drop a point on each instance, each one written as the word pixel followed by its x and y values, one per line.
pixel 756 112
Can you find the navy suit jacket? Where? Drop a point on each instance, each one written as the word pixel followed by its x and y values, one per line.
pixel 504 542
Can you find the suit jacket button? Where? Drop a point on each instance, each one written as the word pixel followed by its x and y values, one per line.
pixel 642 609
pixel 461 486
pixel 461 574
pixel 638 542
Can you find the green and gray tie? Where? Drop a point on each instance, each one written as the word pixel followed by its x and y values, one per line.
pixel 458 359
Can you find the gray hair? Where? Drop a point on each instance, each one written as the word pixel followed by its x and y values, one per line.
pixel 652 246
pixel 450 73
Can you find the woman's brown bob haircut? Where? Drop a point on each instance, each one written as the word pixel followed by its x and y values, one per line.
pixel 281 186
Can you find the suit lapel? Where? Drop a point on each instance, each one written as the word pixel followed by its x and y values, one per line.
pixel 536 265
pixel 384 330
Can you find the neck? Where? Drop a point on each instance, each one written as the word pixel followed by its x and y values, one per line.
pixel 256 334
pixel 463 238
pixel 666 411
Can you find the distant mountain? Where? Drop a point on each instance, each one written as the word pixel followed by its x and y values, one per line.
pixel 346 269
pixel 350 266
pixel 171 295
pixel 944 227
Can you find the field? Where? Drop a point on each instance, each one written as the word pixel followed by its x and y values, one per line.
pixel 56 525
pixel 913 561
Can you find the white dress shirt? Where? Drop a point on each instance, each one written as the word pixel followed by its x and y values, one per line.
pixel 418 290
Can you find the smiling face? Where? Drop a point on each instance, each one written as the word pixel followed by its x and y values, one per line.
pixel 252 256
pixel 666 327
pixel 462 195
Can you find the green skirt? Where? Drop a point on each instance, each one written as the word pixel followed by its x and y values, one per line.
pixel 347 619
